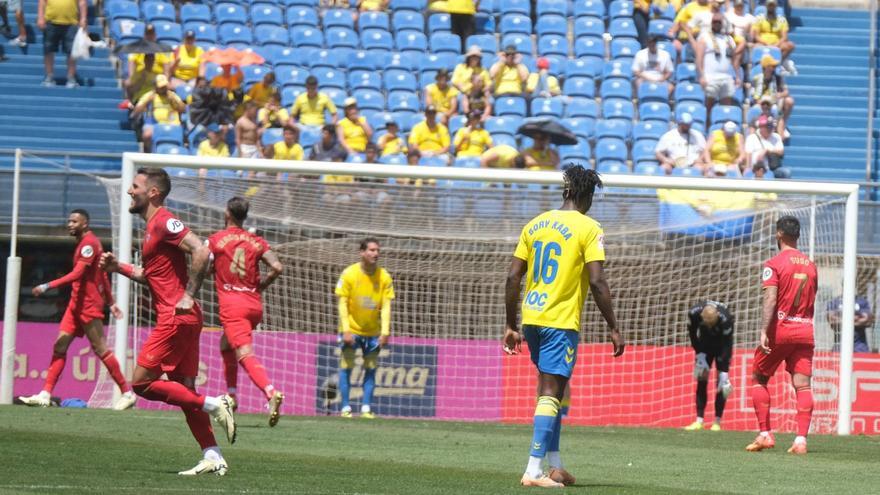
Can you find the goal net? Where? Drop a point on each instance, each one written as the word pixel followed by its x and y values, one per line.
pixel 448 244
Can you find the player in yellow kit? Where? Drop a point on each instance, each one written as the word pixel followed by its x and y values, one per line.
pixel 365 292
pixel 562 253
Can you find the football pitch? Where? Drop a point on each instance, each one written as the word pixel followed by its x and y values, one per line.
pixel 97 451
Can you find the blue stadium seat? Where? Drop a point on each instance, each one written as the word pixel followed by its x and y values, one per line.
pixel 399 80
pixel 582 127
pixel 338 18
pixel 302 16
pixel 330 78
pixel 440 22
pixel 686 172
pixel 412 42
pixel 158 11
pixel 576 86
pixel 254 73
pixel 759 51
pixel 299 3
pixel 272 136
pixel 426 77
pixel 510 105
pixel 167 133
pixel 340 37
pixel 624 48
pixel 291 76
pixel 192 12
pixel 615 89
pixel 648 167
pixel 278 56
pixel 651 131
pixel 504 139
pixel 578 152
pixel 553 45
pixel 406 120
pixel 618 109
pixel 127 31
pixel 589 8
pixel 589 27
pixel 230 13
pixel 547 107
pixel 551 24
pixel 360 60
pixel 266 34
pixel 686 72
pixel 445 43
pixel 612 166
pixel 486 42
pixel 404 61
pixel 723 113
pixel 501 125
pixel 523 7
pixel 437 61
pixel 172 149
pixel 622 28
pixel 396 159
pixel 582 107
pixel 289 94
pixel 620 9
pixel 168 32
pixel 610 149
pixel 123 9
pixel 306 37
pixel 522 43
pixel 324 58
pixel 266 14
pixel 411 5
pixel 591 48
pixel 408 21
pixel 660 27
pixel 337 96
pixel 373 20
pixel 377 121
pixel 515 23
pixel 650 91
pixel 455 123
pixel 619 69
pixel 467 162
pixel 689 92
pixel 364 79
pixel 545 8
pixel 697 111
pixel 205 33
pixel 613 128
pixel 309 135
pixel 369 99
pixel 644 150
pixel 376 40
pixel 655 110
pixel 183 91
pixel 577 67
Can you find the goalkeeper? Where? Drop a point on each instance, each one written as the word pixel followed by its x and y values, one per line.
pixel 711 332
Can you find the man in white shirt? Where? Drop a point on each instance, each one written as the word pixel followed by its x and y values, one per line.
pixel 652 65
pixel 718 57
pixel 741 22
pixel 765 149
pixel 681 147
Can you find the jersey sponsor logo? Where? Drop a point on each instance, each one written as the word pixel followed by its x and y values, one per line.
pixel 536 300
pixel 86 251
pixel 780 315
pixel 768 272
pixel 174 225
pixel 569 355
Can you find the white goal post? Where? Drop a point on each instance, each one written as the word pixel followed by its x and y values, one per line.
pixel 132 161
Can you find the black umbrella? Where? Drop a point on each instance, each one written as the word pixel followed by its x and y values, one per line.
pixel 143 46
pixel 559 135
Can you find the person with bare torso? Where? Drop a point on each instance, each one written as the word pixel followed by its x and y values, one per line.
pixel 246 140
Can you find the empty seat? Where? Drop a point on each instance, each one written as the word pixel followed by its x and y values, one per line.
pixel 406 20
pixel 266 34
pixel 253 73
pixel 622 28
pixel 577 86
pixel 190 12
pixel 501 125
pixel 369 99
pixel 583 127
pixel 651 131
pixel 620 9
pixel 411 41
pixel 324 58
pixel 547 107
pixel 341 37
pixel 439 23
pixel 648 167
pixel 551 24
pixel 589 27
pixel 362 79
pixel 123 9
pixel 486 42
pixel 294 76
pixel 617 69
pixel 510 105
pixel 360 60
pixel 396 80
pixel 686 72
pixel 624 48
pixel 553 45
pixel 266 14
pixel 301 16
pixel 445 43
pixel 589 8
pixel 650 91
pixel 373 20
pixel 403 60
pixel 304 36
pixel 411 5
pixel 613 128
pixel 583 68
pixel 723 113
pixel 582 107
pixel 659 27
pixel 205 33
pixel 230 13
pixel 330 78
pixel 523 7
pixel 376 39
pixel 655 110
pixel 697 111
pixel 612 166
pixel 610 149
pixel 618 109
pixel 338 18
pixel 588 47
pixel 167 133
pixel 512 23
pixel 158 11
pixel 579 151
pixel 615 88
pixel 170 32
pixel 689 92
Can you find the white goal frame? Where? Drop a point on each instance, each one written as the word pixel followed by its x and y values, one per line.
pixel 132 161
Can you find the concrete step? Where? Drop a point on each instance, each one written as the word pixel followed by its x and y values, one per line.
pixel 35 143
pixel 82 132
pixel 830 91
pixel 831 140
pixel 94 92
pixel 108 113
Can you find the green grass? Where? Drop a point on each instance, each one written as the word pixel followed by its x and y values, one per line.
pixel 97 451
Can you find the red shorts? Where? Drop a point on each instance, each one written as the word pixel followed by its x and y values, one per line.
pixel 239 323
pixel 74 321
pixel 798 359
pixel 173 346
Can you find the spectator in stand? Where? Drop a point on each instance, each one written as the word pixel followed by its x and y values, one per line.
pixel 213 146
pixel 287 149
pixel 725 151
pixel 309 108
pixel 472 139
pixel 740 22
pixel 540 156
pixel 391 143
pixel 772 30
pixel 273 115
pixel 502 156
pixel 685 27
pixel 641 18
pixel 702 21
pixel 230 79
pixel 261 92
pixel 353 131
pixel 443 96
pixel 770 86
pixel 478 100
pixel 681 147
pixel 765 148
pixel 328 148
pixel 718 57
pixel 463 22
pixel 541 84
pixel 767 109
pixel 160 106
pixel 864 319
pixel 13 6
pixel 186 62
pixel 247 140
pixel 430 137
pixel 58 19
pixel 136 61
pixel 372 5
pixel 464 73
pixel 508 74
pixel 142 80
pixel 652 65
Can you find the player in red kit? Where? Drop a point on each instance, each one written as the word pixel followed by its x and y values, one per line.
pixel 90 291
pixel 237 256
pixel 789 281
pixel 172 347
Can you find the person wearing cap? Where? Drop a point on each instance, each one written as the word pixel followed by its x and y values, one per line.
pixel 771 29
pixel 685 28
pixel 502 156
pixel 478 100
pixel 261 91
pixel 309 108
pixel 214 145
pixel 472 139
pixel 541 84
pixel 681 147
pixel 740 21
pixel 59 19
pixel 717 57
pixel 247 133
pixel 710 328
pixel 725 151
pixel 770 85
pixel 391 143
pixel 353 131
pixel 442 96
pixel 464 73
pixel 540 156
pixel 160 106
pixel 136 62
pixel 765 149
pixel 430 137
pixel 652 65
pixel 508 75
pixel 187 62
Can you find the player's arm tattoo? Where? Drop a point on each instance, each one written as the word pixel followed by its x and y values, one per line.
pixel 275 268
pixel 200 259
pixel 769 308
pixel 512 289
pixel 602 293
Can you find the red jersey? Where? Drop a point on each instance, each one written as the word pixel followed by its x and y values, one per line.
pixel 237 255
pixel 90 287
pixel 164 263
pixel 794 276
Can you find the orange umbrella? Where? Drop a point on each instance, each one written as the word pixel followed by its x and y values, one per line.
pixel 232 56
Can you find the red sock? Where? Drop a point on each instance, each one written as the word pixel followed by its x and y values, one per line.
pixel 230 367
pixel 112 365
pixel 170 392
pixel 804 410
pixel 200 425
pixel 761 403
pixel 56 366
pixel 258 375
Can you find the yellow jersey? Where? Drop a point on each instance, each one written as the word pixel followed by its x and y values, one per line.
pixel 162 111
pixel 507 80
pixel 688 16
pixel 158 64
pixel 556 245
pixel 544 159
pixel 205 149
pixel 724 150
pixel 310 111
pixel 461 7
pixel 506 155
pixel 366 294
pixel 63 12
pixel 273 118
pixel 391 145
pixel 442 99
pixel 770 31
pixel 424 139
pixel 371 5
pixel 260 93
pixel 355 135
pixel 471 142
pixel 284 152
pixel 463 76
pixel 188 62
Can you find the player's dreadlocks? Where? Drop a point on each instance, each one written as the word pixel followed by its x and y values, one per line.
pixel 580 184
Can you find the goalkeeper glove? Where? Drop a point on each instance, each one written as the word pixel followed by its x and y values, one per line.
pixel 724 386
pixel 701 366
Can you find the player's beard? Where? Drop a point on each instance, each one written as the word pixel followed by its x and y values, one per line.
pixel 136 207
